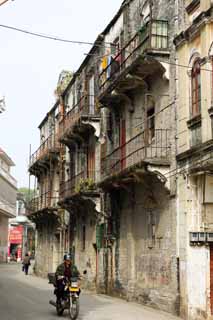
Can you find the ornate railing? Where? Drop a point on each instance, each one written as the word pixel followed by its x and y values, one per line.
pixel 51 144
pixel 84 107
pixel 153 35
pixel 139 148
pixel 84 181
pixel 44 201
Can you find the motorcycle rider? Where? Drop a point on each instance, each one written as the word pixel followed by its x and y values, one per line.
pixel 65 270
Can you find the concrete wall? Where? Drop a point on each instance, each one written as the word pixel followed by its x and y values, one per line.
pixel 144 253
pixel 3 238
pixel 193 213
pixel 47 256
pixel 85 257
pixel 194 260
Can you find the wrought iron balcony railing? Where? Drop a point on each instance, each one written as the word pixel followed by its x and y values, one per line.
pixel 50 145
pixel 152 36
pixel 44 201
pixel 84 109
pixel 137 149
pixel 83 182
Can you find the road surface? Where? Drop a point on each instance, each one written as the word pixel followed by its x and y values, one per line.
pixel 27 297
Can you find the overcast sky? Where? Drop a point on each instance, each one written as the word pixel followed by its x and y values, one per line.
pixel 29 66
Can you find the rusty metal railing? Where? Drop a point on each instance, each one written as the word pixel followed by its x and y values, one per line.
pixel 51 144
pixel 83 181
pixel 42 202
pixel 139 148
pixel 82 108
pixel 152 36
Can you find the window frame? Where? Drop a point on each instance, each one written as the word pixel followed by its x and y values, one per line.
pixel 196 88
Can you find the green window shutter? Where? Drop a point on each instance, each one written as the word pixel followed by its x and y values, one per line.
pixel 100 235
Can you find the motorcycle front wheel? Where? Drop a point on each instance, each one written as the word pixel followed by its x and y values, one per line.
pixel 74 308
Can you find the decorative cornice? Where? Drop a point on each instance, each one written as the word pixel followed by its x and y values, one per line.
pixel 194 122
pixel 194 28
pixel 196 151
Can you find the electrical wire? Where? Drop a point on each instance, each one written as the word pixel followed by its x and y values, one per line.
pixel 55 38
pixel 104 45
pixel 50 37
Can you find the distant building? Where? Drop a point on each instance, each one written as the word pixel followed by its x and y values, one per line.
pixel 21 232
pixel 8 190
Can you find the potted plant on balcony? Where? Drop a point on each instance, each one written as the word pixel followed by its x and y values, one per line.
pixel 85 185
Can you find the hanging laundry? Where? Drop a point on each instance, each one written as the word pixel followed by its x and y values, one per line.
pixel 104 63
pixel 109 61
pixel 103 67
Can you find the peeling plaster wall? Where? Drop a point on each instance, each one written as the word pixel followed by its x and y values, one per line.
pixel 3 238
pixel 85 258
pixel 146 269
pixel 47 250
pixel 194 260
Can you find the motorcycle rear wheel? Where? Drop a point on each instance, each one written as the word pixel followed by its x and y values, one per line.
pixel 74 309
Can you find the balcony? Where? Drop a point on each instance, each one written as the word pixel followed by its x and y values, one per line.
pixel 79 121
pixel 137 152
pixel 82 184
pixel 128 69
pixel 49 149
pixel 40 206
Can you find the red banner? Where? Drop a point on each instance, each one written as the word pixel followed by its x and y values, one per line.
pixel 15 235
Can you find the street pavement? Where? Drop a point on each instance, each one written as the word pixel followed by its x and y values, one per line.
pixel 27 297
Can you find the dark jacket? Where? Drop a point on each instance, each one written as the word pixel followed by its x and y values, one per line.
pixel 26 260
pixel 61 269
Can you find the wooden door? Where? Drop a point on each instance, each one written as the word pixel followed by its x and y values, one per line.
pixel 123 144
pixel 211 278
pixel 91 162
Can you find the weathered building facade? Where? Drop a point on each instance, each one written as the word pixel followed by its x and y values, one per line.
pixel 134 169
pixel 194 155
pixel 43 209
pixel 136 91
pixel 79 134
pixel 8 190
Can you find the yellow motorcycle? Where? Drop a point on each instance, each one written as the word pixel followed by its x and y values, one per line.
pixel 69 300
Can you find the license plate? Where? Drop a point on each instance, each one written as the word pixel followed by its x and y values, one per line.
pixel 74 289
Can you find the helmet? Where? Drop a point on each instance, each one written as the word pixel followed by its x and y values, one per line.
pixel 67 256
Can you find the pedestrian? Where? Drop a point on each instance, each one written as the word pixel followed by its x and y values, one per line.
pixel 26 263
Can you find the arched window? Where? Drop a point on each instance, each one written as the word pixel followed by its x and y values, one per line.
pixel 196 88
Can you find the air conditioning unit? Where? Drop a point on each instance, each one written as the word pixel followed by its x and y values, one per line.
pixel 209 236
pixel 201 236
pixel 193 236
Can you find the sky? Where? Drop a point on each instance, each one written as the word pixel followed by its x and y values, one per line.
pixel 30 66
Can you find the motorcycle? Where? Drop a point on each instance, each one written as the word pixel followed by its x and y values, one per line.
pixel 69 299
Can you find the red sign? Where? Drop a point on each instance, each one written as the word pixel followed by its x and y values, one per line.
pixel 15 235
